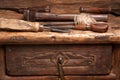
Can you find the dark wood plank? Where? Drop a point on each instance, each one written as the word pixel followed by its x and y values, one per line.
pixel 42 60
pixel 25 3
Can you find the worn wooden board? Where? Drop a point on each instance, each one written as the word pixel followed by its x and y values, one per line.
pixel 75 37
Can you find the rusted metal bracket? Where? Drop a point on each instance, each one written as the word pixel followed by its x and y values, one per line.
pixel 60 68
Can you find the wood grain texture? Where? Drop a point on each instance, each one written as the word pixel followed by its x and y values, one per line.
pixel 25 3
pixel 74 37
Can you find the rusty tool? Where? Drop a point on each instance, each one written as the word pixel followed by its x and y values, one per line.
pixel 60 68
pixel 39 14
pixel 66 17
pixel 30 10
pixel 21 10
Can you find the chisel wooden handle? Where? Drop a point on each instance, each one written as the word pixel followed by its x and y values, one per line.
pixel 18 25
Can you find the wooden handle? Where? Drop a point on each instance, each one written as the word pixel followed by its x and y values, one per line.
pixel 18 25
pixel 95 10
pixel 114 11
pixel 40 9
pixel 97 27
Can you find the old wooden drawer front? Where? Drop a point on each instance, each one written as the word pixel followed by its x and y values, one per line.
pixel 43 59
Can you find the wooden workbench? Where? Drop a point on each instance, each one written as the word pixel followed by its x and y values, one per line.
pixel 75 37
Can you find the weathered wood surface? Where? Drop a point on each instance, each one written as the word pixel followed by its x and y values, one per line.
pixel 75 37
pixel 60 6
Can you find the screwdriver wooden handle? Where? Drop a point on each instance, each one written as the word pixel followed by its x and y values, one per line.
pixel 96 27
